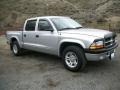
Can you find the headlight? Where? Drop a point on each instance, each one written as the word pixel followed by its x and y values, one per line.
pixel 97 44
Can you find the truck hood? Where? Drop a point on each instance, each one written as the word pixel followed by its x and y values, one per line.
pixel 87 31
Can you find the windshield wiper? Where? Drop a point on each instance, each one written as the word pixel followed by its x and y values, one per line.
pixel 66 28
pixel 70 28
pixel 78 27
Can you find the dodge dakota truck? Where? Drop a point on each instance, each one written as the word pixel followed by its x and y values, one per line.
pixel 65 38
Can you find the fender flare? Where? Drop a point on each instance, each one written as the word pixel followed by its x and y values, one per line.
pixel 15 37
pixel 71 41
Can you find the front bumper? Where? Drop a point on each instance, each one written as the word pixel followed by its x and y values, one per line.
pixel 101 54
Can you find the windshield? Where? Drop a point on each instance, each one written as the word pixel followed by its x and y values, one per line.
pixel 65 23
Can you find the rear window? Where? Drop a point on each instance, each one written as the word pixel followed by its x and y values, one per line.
pixel 30 25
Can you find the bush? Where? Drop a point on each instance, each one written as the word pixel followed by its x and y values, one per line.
pixel 101 20
pixel 117 27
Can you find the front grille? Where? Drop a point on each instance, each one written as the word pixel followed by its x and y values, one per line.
pixel 109 40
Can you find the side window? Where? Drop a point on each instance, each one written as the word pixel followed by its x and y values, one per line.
pixel 30 25
pixel 44 25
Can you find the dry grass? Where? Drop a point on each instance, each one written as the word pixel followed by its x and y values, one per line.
pixel 89 12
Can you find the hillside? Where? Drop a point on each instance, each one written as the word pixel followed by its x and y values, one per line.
pixel 91 13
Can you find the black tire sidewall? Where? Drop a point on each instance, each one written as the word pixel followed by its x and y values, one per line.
pixel 80 55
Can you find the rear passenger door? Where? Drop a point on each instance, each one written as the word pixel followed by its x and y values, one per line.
pixel 29 34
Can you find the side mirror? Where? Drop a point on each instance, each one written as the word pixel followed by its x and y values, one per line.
pixel 50 30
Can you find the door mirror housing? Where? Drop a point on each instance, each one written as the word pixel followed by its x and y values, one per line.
pixel 50 30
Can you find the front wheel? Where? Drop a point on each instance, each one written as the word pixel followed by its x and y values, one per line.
pixel 74 58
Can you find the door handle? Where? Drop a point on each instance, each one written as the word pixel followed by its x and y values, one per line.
pixel 24 35
pixel 37 36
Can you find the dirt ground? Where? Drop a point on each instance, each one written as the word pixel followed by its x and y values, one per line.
pixel 36 71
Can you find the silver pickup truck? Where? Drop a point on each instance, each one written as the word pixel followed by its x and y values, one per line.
pixel 64 37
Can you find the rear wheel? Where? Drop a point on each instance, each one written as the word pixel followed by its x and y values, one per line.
pixel 74 58
pixel 16 48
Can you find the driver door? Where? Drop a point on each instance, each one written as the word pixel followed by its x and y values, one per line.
pixel 47 37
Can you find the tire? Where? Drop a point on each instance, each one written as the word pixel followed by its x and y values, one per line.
pixel 17 51
pixel 74 58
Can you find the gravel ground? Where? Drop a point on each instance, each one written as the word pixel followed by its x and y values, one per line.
pixel 36 71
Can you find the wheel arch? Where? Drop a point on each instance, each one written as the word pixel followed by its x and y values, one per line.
pixel 65 44
pixel 12 39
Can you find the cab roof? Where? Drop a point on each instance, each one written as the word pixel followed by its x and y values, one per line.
pixel 47 17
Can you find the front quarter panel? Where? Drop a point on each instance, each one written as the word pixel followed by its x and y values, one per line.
pixel 84 40
pixel 72 41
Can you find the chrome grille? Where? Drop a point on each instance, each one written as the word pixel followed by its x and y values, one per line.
pixel 110 40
